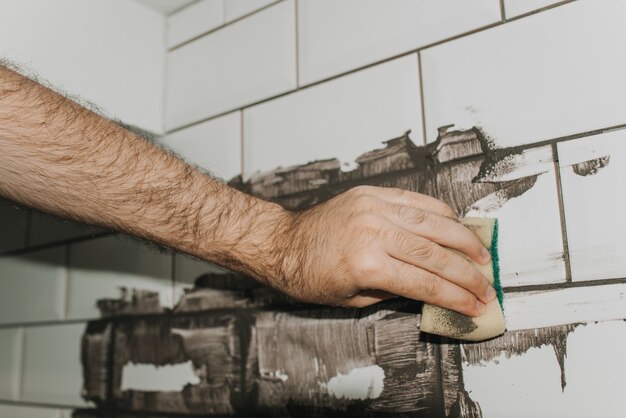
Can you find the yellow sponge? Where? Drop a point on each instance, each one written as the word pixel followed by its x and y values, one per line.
pixel 449 323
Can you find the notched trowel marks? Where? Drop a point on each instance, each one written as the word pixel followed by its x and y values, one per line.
pixel 591 167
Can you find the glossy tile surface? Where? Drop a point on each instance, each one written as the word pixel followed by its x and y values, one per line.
pixel 47 229
pixel 513 8
pixel 52 372
pixel 10 363
pixel 238 8
pixel 194 20
pixel 213 74
pixel 521 86
pixel 337 36
pixel 214 145
pixel 33 286
pixel 592 174
pixel 100 268
pixel 339 119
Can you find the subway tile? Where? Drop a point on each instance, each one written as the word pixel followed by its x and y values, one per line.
pixel 24 411
pixel 214 145
pixel 10 363
pixel 339 119
pixel 337 36
pixel 592 176
pixel 238 8
pixel 530 241
pixel 52 371
pixel 99 269
pixel 239 64
pixel 513 8
pixel 549 75
pixel 193 20
pixel 33 286
pixel 13 227
pixel 46 229
pixel 588 382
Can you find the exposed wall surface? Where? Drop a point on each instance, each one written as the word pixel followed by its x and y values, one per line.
pixel 514 110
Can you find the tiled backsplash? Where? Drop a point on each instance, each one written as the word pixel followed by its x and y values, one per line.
pixel 251 86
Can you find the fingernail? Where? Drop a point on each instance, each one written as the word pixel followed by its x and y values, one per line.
pixel 491 294
pixel 480 307
pixel 486 254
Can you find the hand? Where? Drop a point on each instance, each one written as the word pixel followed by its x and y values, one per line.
pixel 370 244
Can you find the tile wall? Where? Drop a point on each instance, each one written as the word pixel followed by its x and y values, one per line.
pixel 254 85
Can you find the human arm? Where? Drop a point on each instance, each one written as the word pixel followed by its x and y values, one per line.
pixel 356 249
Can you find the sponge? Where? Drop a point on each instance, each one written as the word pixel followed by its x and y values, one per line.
pixel 449 323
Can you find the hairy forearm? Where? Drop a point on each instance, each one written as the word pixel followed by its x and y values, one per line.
pixel 58 157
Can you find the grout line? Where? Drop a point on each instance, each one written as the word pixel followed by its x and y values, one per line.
pixel 66 283
pixel 241 145
pixel 421 85
pixel 559 192
pixel 542 9
pixel 502 11
pixel 173 12
pixel 40 404
pixel 563 285
pixel 49 245
pixel 49 322
pixel 222 26
pixel 297 46
pixel 19 378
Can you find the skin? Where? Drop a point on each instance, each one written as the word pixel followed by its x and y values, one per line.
pixel 363 246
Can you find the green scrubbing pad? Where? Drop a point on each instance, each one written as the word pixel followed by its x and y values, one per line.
pixel 449 323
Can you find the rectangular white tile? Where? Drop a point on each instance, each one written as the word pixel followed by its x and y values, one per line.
pixel 549 75
pixel 238 8
pixel 13 226
pixel 338 119
pixel 337 36
pixel 52 371
pixel 33 286
pixel 193 20
pixel 530 241
pixel 513 8
pixel 10 363
pixel 100 268
pixel 23 411
pixel 214 145
pixel 46 229
pixel 239 64
pixel 592 176
pixel 530 385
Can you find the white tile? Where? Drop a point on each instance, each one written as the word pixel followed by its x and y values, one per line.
pixel 52 367
pixel 337 36
pixel 165 6
pixel 23 411
pixel 237 8
pixel 214 145
pixel 46 229
pixel 338 119
pixel 514 8
pixel 594 206
pixel 13 227
pixel 549 75
pixel 529 385
pixel 100 268
pixel 530 241
pixel 109 53
pixel 239 64
pixel 10 362
pixel 32 286
pixel 194 20
pixel 546 308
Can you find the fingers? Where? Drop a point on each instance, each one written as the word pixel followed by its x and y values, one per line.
pixel 427 255
pixel 439 229
pixel 412 282
pixel 408 198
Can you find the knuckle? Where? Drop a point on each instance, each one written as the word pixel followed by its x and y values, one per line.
pixel 420 216
pixel 431 286
pixel 364 266
pixel 440 258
